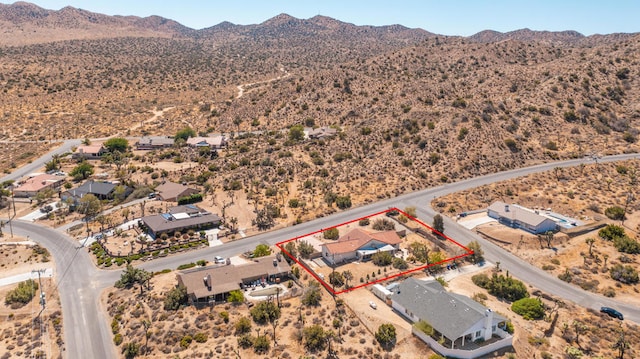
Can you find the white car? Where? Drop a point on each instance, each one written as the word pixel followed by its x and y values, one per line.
pixel 219 260
pixel 373 304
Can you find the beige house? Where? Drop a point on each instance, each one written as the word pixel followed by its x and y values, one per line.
pixel 170 191
pixel 36 184
pixel 360 245
pixel 89 152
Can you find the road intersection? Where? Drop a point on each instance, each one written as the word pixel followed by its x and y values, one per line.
pixel 86 328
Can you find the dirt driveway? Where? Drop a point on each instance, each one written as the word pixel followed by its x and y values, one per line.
pixel 358 301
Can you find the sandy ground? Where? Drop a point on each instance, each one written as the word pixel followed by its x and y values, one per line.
pixel 21 328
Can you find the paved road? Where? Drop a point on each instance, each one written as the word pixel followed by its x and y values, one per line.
pixel 39 163
pixel 87 333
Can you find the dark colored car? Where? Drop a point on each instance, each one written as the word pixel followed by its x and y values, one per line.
pixel 612 312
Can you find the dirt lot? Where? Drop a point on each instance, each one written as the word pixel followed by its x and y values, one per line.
pixel 26 331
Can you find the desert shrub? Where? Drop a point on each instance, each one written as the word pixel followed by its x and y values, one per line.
pixel 175 298
pixel 610 232
pixel 528 308
pixel 186 266
pixel 131 350
pixel 383 224
pixel 305 248
pixel 245 341
pixel 615 213
pixel 225 316
pixel 117 339
pixel 261 344
pixel 609 292
pixel 235 296
pixel 201 337
pixel 343 202
pixel 336 279
pixel 331 233
pixel 186 341
pixel 502 287
pixel 480 298
pixel 625 244
pixel 364 222
pixel 261 250
pixel 566 276
pixel 243 325
pixel 314 338
pixel 400 263
pixel 382 258
pixel 22 294
pixel 624 274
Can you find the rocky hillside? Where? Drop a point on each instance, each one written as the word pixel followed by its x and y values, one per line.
pixel 415 109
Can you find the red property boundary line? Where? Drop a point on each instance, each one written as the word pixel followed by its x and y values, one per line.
pixel 328 287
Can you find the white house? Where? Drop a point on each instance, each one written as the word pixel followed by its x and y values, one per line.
pixel 358 244
pixel 520 217
pixel 457 320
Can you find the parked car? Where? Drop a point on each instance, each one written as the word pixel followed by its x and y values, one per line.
pixel 219 260
pixel 373 304
pixel 46 209
pixel 612 312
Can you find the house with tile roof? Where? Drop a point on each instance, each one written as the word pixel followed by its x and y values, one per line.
pixel 462 327
pixel 520 217
pixel 213 284
pixel 359 244
pixel 31 186
pixel 89 152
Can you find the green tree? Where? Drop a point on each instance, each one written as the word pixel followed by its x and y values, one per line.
pixel 400 263
pixel 265 312
pixel 528 308
pixel 312 295
pixel 83 170
pixel 89 205
pixel 261 250
pixel 236 297
pixel 176 298
pixel 305 248
pixel 314 338
pixel 132 275
pixel 478 254
pixel 331 233
pixel 419 251
pixel 383 224
pixel 438 223
pixel 610 232
pixel 184 134
pixel 296 133
pixel 261 344
pixel 386 335
pixel 615 213
pixel 336 279
pixel 117 144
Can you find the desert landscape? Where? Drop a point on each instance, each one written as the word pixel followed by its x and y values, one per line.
pixel 398 110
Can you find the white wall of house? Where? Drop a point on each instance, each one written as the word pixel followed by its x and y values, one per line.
pixel 337 258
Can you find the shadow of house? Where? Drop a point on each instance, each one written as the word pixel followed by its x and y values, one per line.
pixel 180 218
pixel 213 284
pixel 462 327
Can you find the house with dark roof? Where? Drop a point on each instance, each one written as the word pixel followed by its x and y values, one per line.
pixel 154 142
pixel 460 325
pixel 31 186
pixel 102 190
pixel 360 245
pixel 170 191
pixel 213 283
pixel 520 217
pixel 180 218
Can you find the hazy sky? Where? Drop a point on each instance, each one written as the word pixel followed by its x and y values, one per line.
pixel 447 17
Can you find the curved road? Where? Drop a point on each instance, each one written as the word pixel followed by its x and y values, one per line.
pixel 86 329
